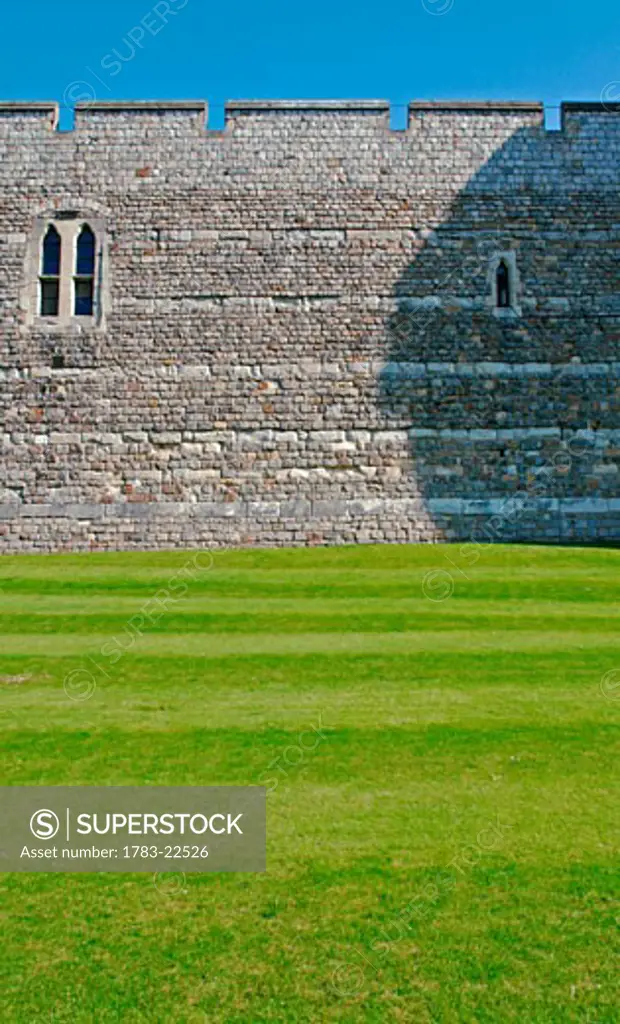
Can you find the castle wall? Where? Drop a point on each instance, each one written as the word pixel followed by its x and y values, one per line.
pixel 296 343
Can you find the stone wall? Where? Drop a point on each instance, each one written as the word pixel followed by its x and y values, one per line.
pixel 296 342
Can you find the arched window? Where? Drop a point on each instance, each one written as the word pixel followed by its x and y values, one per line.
pixel 65 262
pixel 50 273
pixel 504 299
pixel 84 280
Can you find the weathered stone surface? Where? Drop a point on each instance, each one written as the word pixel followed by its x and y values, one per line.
pixel 299 343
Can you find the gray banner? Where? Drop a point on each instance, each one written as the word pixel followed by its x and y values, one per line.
pixel 132 828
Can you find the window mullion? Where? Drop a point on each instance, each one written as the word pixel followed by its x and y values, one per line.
pixel 68 234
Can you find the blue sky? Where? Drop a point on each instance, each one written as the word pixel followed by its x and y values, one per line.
pixel 422 49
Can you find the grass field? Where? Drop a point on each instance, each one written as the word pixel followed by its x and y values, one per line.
pixel 444 849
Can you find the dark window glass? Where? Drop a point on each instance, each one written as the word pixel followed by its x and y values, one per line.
pixel 50 292
pixel 85 262
pixel 503 286
pixel 84 295
pixel 51 253
pixel 85 273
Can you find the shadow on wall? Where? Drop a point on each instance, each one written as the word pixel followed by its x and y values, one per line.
pixel 512 411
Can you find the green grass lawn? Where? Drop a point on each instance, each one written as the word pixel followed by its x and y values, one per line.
pixel 443 814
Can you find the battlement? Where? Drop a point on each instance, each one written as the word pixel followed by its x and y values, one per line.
pixel 577 113
pixel 307 106
pixel 16 114
pixel 176 116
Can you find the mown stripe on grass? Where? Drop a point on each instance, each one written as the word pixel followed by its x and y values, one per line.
pixel 383 622
pixel 101 604
pixel 220 645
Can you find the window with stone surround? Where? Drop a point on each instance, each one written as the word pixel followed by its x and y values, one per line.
pixel 504 285
pixel 65 272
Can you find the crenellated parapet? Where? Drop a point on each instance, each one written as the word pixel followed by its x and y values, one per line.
pixel 16 116
pixel 191 116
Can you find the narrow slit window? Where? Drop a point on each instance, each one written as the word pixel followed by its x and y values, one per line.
pixel 50 273
pixel 504 300
pixel 84 281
